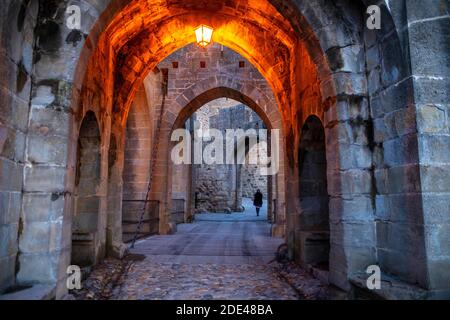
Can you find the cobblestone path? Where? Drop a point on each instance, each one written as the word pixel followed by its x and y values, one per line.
pixel 165 281
pixel 218 257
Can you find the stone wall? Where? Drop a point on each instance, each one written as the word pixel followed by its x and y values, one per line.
pixel 252 181
pixel 185 71
pixel 382 99
pixel 139 143
pixel 220 188
pixel 17 23
pixel 429 39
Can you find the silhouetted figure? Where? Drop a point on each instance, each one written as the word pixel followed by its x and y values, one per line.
pixel 258 201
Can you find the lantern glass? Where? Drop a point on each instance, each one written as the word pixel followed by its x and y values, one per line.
pixel 204 35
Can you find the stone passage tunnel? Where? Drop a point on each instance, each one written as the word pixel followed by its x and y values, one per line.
pixel 363 116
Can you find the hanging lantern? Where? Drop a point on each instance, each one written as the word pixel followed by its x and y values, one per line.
pixel 204 35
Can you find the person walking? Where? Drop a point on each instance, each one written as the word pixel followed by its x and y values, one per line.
pixel 258 201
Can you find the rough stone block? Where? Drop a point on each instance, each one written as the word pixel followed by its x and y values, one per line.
pixel 38 268
pixel 374 81
pixel 347 59
pixel 47 150
pixel 400 151
pixel 9 207
pixel 431 119
pixel 404 265
pixel 405 121
pixel 352 209
pixel 361 159
pixel 435 178
pixel 350 182
pixel 350 84
pixel 36 237
pixel 4 206
pixel 7 265
pixel 430 39
pixel 45 179
pixel 382 207
pixel 404 179
pixel 35 293
pixel 50 121
pixel 85 223
pixel 438 273
pixel 14 110
pixel 425 9
pixel 381 181
pixel 406 208
pixel 393 68
pixel 431 90
pixel 438 244
pixel 434 149
pixel 397 96
pixel 372 57
pixel 355 234
pixel 12 144
pixel 8 239
pixel 436 208
pixel 347 259
pixel 407 238
pixel 43 207
pixel 10 176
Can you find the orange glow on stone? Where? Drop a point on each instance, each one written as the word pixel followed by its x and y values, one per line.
pixel 204 35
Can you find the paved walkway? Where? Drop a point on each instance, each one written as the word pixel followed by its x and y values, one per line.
pixel 217 257
pixel 248 215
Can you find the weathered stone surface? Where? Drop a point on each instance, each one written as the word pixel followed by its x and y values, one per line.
pixel 439 65
pixel 382 97
pixel 37 292
pixel 45 179
pixel 37 268
pixel 431 119
pixel 43 207
pixel 391 289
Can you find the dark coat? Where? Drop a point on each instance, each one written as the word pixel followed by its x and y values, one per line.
pixel 258 199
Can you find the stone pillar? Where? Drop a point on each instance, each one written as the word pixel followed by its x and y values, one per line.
pixel 50 154
pixel 352 228
pixel 349 167
pixel 114 240
pixel 17 23
pixel 429 38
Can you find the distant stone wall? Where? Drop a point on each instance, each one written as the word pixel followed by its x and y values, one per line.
pixel 252 180
pixel 220 188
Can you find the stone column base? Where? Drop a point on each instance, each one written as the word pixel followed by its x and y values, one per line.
pixel 278 231
pixel 168 228
pixel 118 250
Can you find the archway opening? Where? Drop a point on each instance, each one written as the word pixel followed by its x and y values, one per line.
pixel 313 233
pixel 224 186
pixel 182 86
pixel 85 248
pixel 367 106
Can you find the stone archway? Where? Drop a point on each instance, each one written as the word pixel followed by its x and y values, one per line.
pixel 347 81
pixel 360 89
pixel 267 110
pixel 86 243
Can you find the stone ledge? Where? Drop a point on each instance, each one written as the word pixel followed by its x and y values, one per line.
pixel 391 289
pixel 37 292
